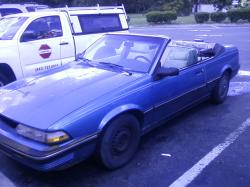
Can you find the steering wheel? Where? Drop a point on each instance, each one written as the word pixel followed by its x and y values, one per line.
pixel 144 58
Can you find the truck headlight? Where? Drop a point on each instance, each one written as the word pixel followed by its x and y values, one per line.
pixel 41 136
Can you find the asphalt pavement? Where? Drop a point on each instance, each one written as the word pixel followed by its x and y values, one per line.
pixel 205 146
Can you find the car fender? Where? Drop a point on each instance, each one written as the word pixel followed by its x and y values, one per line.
pixel 117 111
pixel 226 68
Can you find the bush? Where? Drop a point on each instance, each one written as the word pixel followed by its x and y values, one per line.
pixel 218 16
pixel 237 14
pixel 201 17
pixel 161 16
pixel 154 17
pixel 245 14
pixel 234 15
pixel 169 16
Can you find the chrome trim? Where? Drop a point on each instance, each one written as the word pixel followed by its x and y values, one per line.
pixel 147 128
pixel 149 110
pixel 215 79
pixel 56 152
pixel 168 101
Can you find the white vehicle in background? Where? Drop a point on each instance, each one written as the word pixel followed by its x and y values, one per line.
pixel 8 9
pixel 31 43
pixel 235 3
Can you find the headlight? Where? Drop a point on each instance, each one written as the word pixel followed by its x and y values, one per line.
pixel 41 136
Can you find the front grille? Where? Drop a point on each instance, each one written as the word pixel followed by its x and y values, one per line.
pixel 8 121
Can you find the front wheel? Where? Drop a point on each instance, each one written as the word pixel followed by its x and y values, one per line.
pixel 119 141
pixel 220 90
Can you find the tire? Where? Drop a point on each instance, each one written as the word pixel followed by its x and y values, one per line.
pixel 219 93
pixel 119 142
pixel 3 80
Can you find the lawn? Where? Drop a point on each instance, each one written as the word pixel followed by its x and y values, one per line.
pixel 140 20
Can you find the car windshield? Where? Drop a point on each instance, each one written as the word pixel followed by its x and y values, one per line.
pixel 9 27
pixel 130 52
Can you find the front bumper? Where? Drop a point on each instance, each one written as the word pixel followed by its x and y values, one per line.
pixel 58 157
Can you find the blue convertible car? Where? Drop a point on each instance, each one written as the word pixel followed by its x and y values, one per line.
pixel 121 87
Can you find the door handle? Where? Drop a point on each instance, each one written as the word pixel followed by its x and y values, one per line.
pixel 64 43
pixel 200 72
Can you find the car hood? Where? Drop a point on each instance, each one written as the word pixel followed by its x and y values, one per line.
pixel 41 101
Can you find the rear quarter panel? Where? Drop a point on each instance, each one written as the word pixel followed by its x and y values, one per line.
pixel 216 66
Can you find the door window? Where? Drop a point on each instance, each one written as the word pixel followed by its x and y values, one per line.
pixel 179 57
pixel 43 28
pixel 99 23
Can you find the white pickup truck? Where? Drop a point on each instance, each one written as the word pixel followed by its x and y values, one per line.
pixel 31 43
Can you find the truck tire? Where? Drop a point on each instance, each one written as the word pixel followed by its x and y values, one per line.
pixel 220 90
pixel 119 141
pixel 3 80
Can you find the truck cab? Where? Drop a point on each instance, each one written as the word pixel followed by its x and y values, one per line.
pixel 32 43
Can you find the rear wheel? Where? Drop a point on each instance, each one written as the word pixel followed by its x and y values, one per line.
pixel 220 91
pixel 119 141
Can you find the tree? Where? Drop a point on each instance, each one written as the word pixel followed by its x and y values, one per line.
pixel 220 4
pixel 132 6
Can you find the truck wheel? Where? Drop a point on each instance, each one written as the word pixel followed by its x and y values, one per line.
pixel 119 141
pixel 3 80
pixel 220 91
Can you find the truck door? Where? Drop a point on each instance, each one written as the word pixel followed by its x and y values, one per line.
pixel 40 45
pixel 67 43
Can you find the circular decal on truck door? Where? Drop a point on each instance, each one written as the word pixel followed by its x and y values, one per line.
pixel 45 51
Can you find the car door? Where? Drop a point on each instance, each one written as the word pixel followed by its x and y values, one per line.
pixel 39 45
pixel 174 93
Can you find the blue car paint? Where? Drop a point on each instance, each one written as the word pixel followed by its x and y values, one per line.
pixel 60 100
pixel 71 85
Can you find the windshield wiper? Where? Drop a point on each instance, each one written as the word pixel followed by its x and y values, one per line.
pixel 84 60
pixel 112 65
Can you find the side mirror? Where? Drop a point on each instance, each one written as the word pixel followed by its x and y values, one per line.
pixel 164 72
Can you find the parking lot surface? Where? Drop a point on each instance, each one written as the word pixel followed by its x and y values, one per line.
pixel 205 146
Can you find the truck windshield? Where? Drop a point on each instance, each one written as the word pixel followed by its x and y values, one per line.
pixel 9 27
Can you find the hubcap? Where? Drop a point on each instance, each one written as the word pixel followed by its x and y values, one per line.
pixel 223 86
pixel 121 141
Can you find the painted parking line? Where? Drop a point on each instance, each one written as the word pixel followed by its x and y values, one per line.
pixel 243 73
pixel 194 30
pixel 214 26
pixel 193 172
pixel 209 35
pixel 5 182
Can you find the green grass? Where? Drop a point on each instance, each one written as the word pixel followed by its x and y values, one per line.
pixel 137 19
pixel 140 20
pixel 185 20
